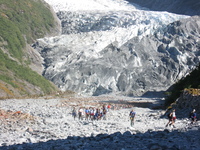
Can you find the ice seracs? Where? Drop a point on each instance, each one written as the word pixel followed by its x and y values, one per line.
pixel 90 5
pixel 111 48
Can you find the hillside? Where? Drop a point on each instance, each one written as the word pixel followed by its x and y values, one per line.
pixel 187 7
pixel 21 22
pixel 190 82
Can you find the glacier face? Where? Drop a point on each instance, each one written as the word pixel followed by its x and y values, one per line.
pixel 113 46
pixel 90 5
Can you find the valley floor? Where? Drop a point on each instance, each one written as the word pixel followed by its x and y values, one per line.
pixel 48 124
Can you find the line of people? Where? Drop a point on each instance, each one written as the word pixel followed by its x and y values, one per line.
pixel 91 113
pixel 172 117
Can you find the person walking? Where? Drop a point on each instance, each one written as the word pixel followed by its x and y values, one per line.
pixel 74 113
pixel 193 116
pixel 132 117
pixel 80 113
pixel 92 112
pixel 169 119
pixel 87 113
pixel 105 110
pixel 172 118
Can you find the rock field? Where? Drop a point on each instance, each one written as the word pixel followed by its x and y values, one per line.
pixel 47 124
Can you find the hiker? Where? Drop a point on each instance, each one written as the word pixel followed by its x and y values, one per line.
pixel 132 116
pixel 172 118
pixel 104 114
pixel 74 113
pixel 97 114
pixel 193 116
pixel 100 114
pixel 80 113
pixel 105 110
pixel 87 113
pixel 92 112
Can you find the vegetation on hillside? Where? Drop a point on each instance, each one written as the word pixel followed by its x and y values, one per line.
pixel 31 17
pixel 21 22
pixel 23 73
pixel 13 37
pixel 190 81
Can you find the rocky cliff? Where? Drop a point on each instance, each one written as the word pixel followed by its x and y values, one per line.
pixel 188 100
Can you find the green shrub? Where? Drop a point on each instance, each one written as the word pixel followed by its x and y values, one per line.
pixel 190 81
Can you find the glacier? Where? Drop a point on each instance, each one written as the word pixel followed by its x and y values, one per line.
pixel 88 5
pixel 95 54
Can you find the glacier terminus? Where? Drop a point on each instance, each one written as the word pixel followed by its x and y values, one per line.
pixel 115 46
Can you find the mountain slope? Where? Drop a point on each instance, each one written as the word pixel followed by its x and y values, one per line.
pixel 20 25
pixel 191 82
pixel 186 7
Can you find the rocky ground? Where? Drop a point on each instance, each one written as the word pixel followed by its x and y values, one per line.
pixel 48 124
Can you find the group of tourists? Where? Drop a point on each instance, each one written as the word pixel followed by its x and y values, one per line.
pixel 91 113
